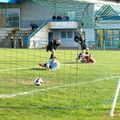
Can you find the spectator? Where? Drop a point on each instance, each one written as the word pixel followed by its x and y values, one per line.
pixel 54 18
pixel 20 42
pixel 59 18
pixel 33 26
pixel 12 41
pixel 66 18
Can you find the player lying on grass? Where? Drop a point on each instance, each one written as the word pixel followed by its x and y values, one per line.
pixel 52 46
pixel 87 58
pixel 52 64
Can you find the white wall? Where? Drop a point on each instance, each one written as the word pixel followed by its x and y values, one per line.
pixel 90 34
pixel 40 39
pixel 65 42
pixel 108 25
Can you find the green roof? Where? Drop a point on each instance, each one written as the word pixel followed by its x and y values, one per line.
pixel 108 10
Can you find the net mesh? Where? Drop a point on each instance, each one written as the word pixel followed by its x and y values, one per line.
pixel 77 90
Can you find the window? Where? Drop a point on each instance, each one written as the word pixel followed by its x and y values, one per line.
pixel 70 34
pixel 12 18
pixel 9 17
pixel 63 34
pixel 72 15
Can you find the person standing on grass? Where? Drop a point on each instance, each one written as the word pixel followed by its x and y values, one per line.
pixel 52 64
pixel 20 42
pixel 52 46
pixel 12 41
pixel 80 39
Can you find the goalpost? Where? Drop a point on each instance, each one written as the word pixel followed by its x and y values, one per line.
pixel 115 99
pixel 77 90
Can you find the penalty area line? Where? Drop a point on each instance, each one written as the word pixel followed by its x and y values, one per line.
pixel 12 69
pixel 55 87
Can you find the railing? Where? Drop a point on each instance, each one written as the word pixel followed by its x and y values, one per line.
pixel 35 31
pixel 26 23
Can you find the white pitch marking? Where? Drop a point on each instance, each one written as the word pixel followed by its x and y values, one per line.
pixel 50 88
pixel 12 69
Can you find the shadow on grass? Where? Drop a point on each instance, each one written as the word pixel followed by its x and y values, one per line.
pixel 37 69
pixel 43 107
pixel 71 62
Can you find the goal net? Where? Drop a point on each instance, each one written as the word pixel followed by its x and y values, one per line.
pixel 79 80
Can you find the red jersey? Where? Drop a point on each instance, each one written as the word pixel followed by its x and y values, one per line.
pixel 88 58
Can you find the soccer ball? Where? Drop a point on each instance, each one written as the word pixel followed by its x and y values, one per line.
pixel 38 81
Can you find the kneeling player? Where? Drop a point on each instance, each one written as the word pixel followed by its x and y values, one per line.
pixel 88 58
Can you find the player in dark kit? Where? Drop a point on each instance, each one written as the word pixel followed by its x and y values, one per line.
pixel 80 39
pixel 52 46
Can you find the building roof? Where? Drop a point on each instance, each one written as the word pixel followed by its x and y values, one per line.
pixel 112 18
pixel 10 1
pixel 108 10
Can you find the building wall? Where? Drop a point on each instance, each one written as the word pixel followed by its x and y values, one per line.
pixel 77 11
pixel 66 41
pixel 108 34
pixel 9 15
pixel 90 36
pixel 31 11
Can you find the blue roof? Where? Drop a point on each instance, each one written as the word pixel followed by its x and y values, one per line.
pixel 111 18
pixel 10 1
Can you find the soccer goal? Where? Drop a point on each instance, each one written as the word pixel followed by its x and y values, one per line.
pixel 59 59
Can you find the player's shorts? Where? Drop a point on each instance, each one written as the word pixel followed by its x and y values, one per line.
pixel 83 47
pixel 49 66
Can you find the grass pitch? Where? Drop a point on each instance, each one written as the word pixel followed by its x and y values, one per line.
pixel 75 91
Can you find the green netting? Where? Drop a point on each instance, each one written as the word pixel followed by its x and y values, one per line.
pixel 83 13
pixel 76 91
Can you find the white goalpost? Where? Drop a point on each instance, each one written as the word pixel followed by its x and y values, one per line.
pixel 115 99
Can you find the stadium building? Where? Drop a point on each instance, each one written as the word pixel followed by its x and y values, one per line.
pixel 108 27
pixel 54 19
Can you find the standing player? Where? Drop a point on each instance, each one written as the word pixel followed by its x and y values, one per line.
pixel 52 46
pixel 80 39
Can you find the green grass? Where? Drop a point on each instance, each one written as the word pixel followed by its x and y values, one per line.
pixel 74 92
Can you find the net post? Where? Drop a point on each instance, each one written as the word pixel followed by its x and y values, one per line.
pixel 115 99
